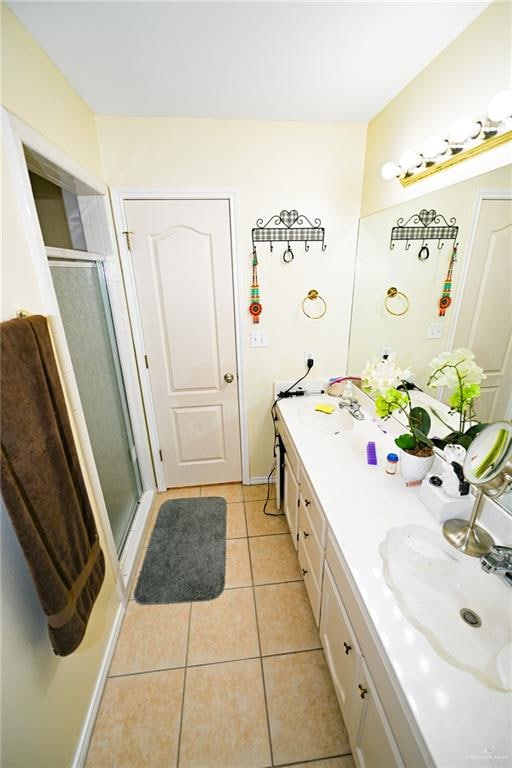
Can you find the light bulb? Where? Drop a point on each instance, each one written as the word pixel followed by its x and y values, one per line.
pixel 410 159
pixel 434 146
pixel 390 171
pixel 464 129
pixel 500 107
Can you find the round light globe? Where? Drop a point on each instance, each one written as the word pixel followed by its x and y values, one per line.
pixel 410 160
pixel 500 107
pixel 434 146
pixel 464 129
pixel 390 171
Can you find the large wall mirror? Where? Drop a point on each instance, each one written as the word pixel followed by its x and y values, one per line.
pixel 479 316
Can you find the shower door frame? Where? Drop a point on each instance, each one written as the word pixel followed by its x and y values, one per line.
pixel 99 230
pixel 63 257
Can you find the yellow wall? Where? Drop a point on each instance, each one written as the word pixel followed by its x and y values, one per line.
pixel 271 166
pixel 459 82
pixel 37 92
pixel 316 168
pixel 44 698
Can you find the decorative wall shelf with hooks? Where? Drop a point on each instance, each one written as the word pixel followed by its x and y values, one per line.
pixel 288 227
pixel 424 226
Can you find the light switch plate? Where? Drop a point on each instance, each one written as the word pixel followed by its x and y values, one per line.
pixel 259 338
pixel 435 331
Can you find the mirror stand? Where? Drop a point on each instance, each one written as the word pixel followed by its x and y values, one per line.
pixel 466 536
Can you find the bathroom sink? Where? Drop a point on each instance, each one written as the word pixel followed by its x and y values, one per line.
pixel 328 423
pixel 465 614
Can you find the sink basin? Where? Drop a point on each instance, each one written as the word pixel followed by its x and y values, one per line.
pixel 465 614
pixel 328 423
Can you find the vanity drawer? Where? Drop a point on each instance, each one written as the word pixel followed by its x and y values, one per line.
pixel 311 580
pixel 314 510
pixel 309 542
pixel 334 559
pixel 291 453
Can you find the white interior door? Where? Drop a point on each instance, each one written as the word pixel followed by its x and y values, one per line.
pixel 182 262
pixel 485 321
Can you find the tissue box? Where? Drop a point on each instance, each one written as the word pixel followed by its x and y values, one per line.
pixel 444 507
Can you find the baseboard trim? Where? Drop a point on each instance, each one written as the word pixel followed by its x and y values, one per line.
pixel 135 538
pixel 85 736
pixel 259 480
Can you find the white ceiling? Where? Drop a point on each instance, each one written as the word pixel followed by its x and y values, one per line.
pixel 315 61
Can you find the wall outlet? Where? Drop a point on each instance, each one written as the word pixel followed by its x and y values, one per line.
pixel 259 338
pixel 435 331
pixel 386 352
pixel 309 356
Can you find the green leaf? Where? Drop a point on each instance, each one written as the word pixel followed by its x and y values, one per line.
pixel 473 431
pixel 406 442
pixel 422 438
pixel 419 419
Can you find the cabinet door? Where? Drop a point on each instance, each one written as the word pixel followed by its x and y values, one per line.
pixel 291 500
pixel 375 746
pixel 342 655
pixel 309 568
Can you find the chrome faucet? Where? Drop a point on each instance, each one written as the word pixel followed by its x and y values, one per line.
pixel 353 406
pixel 499 561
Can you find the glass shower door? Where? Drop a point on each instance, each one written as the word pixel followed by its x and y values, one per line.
pixel 85 310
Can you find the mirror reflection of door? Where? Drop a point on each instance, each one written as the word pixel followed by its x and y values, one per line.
pixel 484 324
pixel 182 263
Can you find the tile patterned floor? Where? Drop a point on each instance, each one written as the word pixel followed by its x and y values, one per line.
pixel 237 682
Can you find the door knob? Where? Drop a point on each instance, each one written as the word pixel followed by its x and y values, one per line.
pixel 228 378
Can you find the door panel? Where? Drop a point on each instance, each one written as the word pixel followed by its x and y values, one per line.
pixel 199 434
pixel 181 254
pixel 485 321
pixel 188 254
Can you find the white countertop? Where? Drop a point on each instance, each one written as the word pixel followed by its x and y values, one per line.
pixel 463 722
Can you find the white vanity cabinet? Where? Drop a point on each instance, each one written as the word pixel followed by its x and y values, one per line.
pixel 291 499
pixel 374 746
pixel 312 528
pixel 291 483
pixel 370 735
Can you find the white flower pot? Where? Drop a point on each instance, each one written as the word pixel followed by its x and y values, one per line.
pixel 414 467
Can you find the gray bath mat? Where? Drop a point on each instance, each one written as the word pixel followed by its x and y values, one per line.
pixel 186 557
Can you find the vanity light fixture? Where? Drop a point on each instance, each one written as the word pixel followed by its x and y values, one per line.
pixel 466 138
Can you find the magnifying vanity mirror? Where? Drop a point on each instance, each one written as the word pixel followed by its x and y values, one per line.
pixel 488 466
pixel 473 269
pixel 488 463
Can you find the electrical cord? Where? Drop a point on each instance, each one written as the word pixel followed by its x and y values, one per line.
pixel 281 395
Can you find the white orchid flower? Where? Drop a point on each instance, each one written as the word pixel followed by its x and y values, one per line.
pixel 379 375
pixel 450 368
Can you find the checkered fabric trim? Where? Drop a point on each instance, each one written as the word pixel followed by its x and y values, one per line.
pixel 424 233
pixel 285 235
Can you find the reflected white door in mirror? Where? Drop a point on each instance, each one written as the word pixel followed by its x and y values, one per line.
pixel 479 317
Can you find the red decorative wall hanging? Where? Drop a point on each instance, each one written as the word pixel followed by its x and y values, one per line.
pixel 255 306
pixel 445 300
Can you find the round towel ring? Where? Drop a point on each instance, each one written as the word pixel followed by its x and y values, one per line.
pixel 392 293
pixel 314 296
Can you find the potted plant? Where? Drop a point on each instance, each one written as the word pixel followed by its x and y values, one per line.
pixel 458 371
pixel 382 378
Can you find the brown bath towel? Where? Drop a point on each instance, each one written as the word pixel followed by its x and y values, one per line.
pixel 42 484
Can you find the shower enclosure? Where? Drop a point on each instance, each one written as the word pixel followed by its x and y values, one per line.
pixel 85 310
pixel 79 281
